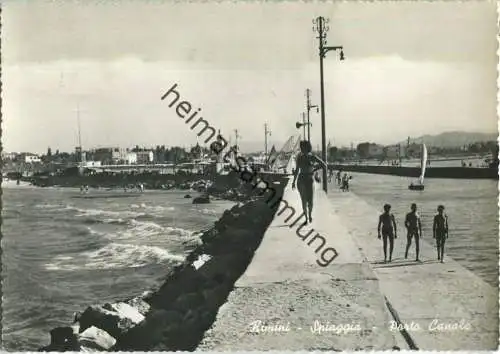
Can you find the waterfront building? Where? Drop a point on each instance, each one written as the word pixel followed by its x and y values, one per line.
pixel 105 155
pixel 119 155
pixel 395 151
pixel 131 158
pixel 144 157
pixel 370 150
pixel 375 150
pixel 31 158
pixel 9 156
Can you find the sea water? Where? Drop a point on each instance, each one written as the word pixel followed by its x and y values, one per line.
pixel 62 254
pixel 471 206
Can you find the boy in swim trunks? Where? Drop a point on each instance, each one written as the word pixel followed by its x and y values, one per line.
pixel 440 231
pixel 414 228
pixel 387 225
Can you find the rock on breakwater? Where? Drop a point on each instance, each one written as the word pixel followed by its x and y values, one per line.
pixel 176 315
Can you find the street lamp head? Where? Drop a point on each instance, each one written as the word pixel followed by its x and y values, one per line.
pixel 342 54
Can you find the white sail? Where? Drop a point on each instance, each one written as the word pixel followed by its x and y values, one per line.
pixel 423 163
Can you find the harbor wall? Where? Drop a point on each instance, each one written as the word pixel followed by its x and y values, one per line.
pixel 175 315
pixel 430 172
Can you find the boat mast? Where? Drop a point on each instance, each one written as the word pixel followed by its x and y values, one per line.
pixel 82 159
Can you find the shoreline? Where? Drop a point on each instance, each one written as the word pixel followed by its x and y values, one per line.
pixel 229 187
pixel 176 314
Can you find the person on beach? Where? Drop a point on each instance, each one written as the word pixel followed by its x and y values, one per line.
pixel 345 183
pixel 330 175
pixel 440 231
pixel 305 168
pixel 387 226
pixel 414 229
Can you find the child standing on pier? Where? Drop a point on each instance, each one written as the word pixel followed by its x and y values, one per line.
pixel 387 224
pixel 440 231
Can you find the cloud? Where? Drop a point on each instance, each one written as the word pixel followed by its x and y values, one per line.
pixel 380 99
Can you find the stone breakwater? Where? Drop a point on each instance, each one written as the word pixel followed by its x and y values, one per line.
pixel 176 315
pixel 150 180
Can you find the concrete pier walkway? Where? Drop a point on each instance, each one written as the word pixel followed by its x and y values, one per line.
pixel 438 306
pixel 285 293
pixel 423 294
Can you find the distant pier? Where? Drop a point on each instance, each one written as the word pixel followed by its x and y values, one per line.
pixel 431 172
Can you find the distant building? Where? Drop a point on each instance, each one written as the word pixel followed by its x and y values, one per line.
pixel 375 150
pixel 144 157
pixel 131 158
pixel 394 151
pixel 31 158
pixel 119 155
pixel 369 150
pixel 9 156
pixel 105 155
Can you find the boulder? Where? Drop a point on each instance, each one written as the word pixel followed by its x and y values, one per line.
pixel 151 332
pixel 62 339
pixel 201 260
pixel 185 281
pixel 209 235
pixel 127 311
pixel 140 305
pixel 215 297
pixel 107 318
pixel 96 338
pixel 221 267
pixel 204 199
pixel 190 301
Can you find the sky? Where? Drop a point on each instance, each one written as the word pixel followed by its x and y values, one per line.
pixel 411 68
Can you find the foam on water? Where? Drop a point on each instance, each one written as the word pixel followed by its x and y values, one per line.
pixel 143 230
pixel 205 211
pixel 108 213
pixel 114 256
pixel 157 208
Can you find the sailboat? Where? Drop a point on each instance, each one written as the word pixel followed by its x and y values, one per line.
pixel 423 164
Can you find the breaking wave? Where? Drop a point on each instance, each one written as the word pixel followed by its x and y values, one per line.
pixel 115 256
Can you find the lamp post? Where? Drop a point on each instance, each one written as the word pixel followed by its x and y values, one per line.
pixel 303 124
pixel 320 26
pixel 266 134
pixel 309 106
pixel 236 135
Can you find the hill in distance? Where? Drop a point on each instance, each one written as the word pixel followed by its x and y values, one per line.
pixel 452 139
pixel 443 140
